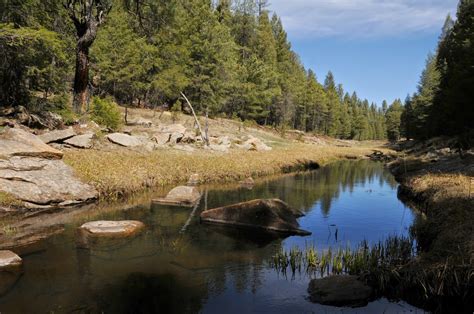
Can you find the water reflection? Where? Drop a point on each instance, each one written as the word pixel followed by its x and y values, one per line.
pixel 180 266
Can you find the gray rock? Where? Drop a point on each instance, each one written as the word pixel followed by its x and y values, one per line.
pixel 173 128
pixel 43 182
pixel 272 215
pixel 17 142
pixel 340 291
pixel 176 137
pixel 90 232
pixel 57 135
pixel 124 140
pixel 257 145
pixel 10 270
pixel 142 122
pixel 161 138
pixel 186 196
pixel 9 260
pixel 81 141
pixel 225 141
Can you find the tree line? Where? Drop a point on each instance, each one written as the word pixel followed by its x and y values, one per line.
pixel 444 101
pixel 231 58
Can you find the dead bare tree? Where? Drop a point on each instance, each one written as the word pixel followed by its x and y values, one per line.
pixel 87 16
pixel 204 137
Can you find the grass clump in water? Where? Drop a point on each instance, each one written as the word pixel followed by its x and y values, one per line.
pixel 383 256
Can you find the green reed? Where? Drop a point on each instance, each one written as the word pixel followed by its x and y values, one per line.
pixel 364 258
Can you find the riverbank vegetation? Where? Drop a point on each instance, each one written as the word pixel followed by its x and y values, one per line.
pixel 120 173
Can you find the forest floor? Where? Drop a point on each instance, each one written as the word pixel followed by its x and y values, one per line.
pixel 438 180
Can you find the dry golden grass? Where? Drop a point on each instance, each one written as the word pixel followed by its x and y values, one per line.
pixel 8 200
pixel 449 206
pixel 125 172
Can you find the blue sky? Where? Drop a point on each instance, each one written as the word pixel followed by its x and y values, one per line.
pixel 375 47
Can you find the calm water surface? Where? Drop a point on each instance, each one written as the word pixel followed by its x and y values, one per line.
pixel 180 266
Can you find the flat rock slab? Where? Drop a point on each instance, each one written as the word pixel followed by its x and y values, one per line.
pixel 123 139
pixel 92 232
pixel 173 128
pixel 43 182
pixel 340 291
pixel 81 141
pixel 57 135
pixel 104 228
pixel 9 260
pixel 17 142
pixel 272 215
pixel 186 196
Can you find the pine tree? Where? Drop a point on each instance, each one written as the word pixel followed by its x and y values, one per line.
pixel 453 112
pixel 393 120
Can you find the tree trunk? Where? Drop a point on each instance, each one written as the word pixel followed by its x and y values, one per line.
pixel 81 79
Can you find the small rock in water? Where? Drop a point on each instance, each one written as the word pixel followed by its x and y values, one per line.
pixel 186 196
pixel 341 290
pixel 90 232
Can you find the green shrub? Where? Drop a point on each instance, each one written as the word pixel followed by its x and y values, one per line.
pixel 61 104
pixel 106 113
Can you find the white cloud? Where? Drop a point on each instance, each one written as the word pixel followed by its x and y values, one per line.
pixel 361 18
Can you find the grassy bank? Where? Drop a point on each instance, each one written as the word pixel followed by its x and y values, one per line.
pixel 120 173
pixel 442 277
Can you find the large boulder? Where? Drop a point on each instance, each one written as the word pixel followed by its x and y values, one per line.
pixel 57 135
pixel 272 215
pixel 43 182
pixel 186 196
pixel 94 231
pixel 31 172
pixel 125 140
pixel 81 141
pixel 17 142
pixel 341 290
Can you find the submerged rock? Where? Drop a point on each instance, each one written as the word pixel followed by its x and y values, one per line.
pixel 341 290
pixel 10 270
pixel 9 261
pixel 271 215
pixel 92 232
pixel 57 135
pixel 180 196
